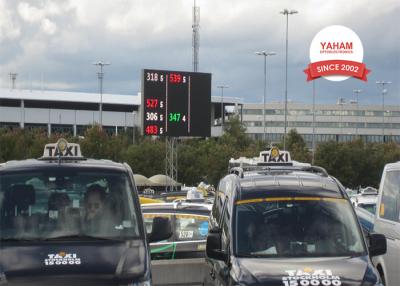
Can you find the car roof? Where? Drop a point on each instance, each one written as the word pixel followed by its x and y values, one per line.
pixel 34 164
pixel 177 206
pixel 289 182
pixel 393 166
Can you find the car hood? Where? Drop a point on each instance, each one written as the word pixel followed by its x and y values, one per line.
pixel 94 262
pixel 338 271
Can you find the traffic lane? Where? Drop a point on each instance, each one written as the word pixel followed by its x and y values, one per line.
pixel 189 271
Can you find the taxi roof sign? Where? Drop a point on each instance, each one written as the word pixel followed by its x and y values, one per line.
pixel 274 157
pixel 271 157
pixel 62 149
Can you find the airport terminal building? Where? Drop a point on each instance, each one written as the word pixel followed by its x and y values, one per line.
pixel 339 122
pixel 73 112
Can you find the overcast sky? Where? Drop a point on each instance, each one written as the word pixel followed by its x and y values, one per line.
pixel 52 44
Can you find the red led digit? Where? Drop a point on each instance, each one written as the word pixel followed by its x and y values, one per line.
pixel 152 130
pixel 175 78
pixel 151 103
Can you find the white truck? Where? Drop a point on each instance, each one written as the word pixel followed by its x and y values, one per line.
pixel 387 222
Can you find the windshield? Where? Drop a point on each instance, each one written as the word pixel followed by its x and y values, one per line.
pixel 369 207
pixel 296 227
pixel 49 204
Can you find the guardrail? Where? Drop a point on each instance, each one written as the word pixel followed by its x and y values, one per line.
pixel 189 271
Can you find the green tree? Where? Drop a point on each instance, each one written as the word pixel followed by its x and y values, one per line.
pixel 235 134
pixel 147 157
pixel 93 145
pixel 297 147
pixel 356 163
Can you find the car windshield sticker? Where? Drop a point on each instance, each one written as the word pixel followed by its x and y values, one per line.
pixel 75 203
pixel 185 234
pixel 312 277
pixel 62 258
pixel 203 229
pixel 53 214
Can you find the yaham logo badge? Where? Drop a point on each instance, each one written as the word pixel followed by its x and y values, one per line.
pixel 336 53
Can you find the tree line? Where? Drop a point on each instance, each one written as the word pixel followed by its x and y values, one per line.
pixel 354 163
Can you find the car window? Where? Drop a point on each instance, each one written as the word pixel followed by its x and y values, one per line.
pixel 219 201
pixel 390 203
pixel 148 222
pixel 49 203
pixel 191 227
pixel 369 207
pixel 297 227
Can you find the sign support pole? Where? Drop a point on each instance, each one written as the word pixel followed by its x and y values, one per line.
pixel 171 162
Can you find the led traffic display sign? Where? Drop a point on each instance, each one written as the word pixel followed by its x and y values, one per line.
pixel 176 104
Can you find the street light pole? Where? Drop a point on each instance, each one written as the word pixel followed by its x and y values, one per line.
pixel 383 83
pixel 313 124
pixel 357 92
pixel 265 55
pixel 100 76
pixel 341 102
pixel 222 106
pixel 13 77
pixel 287 13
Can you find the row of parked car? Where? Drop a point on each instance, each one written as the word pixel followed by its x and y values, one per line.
pixel 66 219
pixel 277 222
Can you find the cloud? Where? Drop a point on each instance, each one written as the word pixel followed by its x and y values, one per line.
pixel 48 26
pixel 30 13
pixel 62 38
pixel 9 29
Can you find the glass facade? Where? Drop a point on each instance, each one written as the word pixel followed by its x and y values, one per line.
pixel 336 112
pixel 332 120
pixel 277 137
pixel 9 125
pixel 294 124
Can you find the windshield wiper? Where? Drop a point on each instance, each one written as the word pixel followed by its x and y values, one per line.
pixel 249 255
pixel 81 236
pixel 12 239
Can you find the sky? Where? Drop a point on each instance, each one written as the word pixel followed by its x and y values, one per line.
pixel 52 45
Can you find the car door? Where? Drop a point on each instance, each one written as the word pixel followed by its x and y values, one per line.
pixel 162 249
pixel 222 268
pixel 388 223
pixel 220 271
pixel 191 233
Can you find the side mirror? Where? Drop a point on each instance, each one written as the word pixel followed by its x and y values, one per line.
pixel 213 246
pixel 161 229
pixel 377 244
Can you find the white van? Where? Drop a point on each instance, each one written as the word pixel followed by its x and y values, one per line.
pixel 387 222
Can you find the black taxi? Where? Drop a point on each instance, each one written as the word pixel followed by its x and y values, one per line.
pixel 287 224
pixel 68 220
pixel 189 227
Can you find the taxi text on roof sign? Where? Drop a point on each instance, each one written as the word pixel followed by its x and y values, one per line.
pixel 275 156
pixel 62 149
